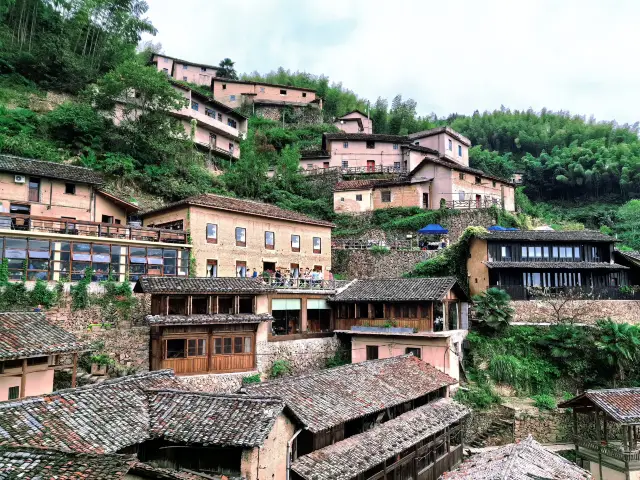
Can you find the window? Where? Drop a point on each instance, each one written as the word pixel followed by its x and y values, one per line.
pixel 224 86
pixel 203 69
pixel 34 189
pixel 269 240
pixel 524 252
pixel 184 67
pixel 459 150
pixel 395 146
pixel 14 392
pixel 70 188
pixel 107 219
pixel 576 253
pixel 165 60
pixel 345 163
pixel 371 144
pixel 396 166
pixel 261 89
pixel 506 252
pixel 219 117
pixel 241 237
pixel 555 252
pixel 545 252
pixel 232 345
pixel 461 176
pixel 241 269
pixel 385 196
pixel 450 145
pixel 196 347
pixel 372 352
pixel 232 123
pixel 415 351
pixel 184 79
pixel 174 348
pixel 231 147
pixel 317 245
pixel 416 143
pixel 213 139
pixel 283 92
pixel 232 98
pixel 345 144
pixel 209 112
pixel 358 197
pixel 166 70
pixel 194 106
pixel 212 233
pixel 212 268
pixel 304 94
pixel 478 180
pixel 494 184
pixel 295 243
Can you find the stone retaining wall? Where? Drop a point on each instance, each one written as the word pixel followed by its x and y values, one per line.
pixel 368 264
pixel 304 355
pixel 217 383
pixel 536 311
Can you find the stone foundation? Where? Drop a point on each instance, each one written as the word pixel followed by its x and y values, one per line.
pixel 216 383
pixel 304 355
pixel 367 264
pixel 536 311
pixel 293 114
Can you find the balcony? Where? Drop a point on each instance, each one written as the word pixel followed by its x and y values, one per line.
pixel 376 169
pixel 519 292
pixel 211 122
pixel 473 203
pixel 307 284
pixel 28 223
pixel 614 450
pixel 417 324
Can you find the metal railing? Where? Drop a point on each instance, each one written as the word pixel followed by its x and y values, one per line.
pixel 28 223
pixel 361 244
pixel 298 283
pixel 356 170
pixel 473 203
pixel 519 292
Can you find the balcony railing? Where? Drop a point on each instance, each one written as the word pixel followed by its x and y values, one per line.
pixel 609 450
pixel 212 122
pixel 473 203
pixel 299 283
pixel 28 223
pixel 518 292
pixel 417 324
pixel 356 170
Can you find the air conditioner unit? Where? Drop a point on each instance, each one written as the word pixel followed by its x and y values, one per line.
pixel 20 179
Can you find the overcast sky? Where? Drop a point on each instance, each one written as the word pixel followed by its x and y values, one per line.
pixel 449 56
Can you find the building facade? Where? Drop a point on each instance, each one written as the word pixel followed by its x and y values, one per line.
pixel 534 263
pixel 233 237
pixel 56 221
pixel 183 70
pixel 354 122
pixel 238 93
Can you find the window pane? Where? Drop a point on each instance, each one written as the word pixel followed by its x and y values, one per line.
pixel 175 348
pixel 538 252
pixel 524 252
pixel 576 253
pixel 202 347
pixel 227 346
pixel 546 252
pixel 237 344
pixel 247 344
pixel 192 348
pixel 212 231
pixel 217 346
pixel 555 252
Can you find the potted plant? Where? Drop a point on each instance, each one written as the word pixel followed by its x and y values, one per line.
pixel 100 363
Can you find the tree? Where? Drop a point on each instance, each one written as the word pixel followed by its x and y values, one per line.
pixel 493 310
pixel 247 177
pixel 287 176
pixel 628 225
pixel 226 69
pixel 618 345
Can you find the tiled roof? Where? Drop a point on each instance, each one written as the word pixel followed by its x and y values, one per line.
pixel 212 101
pixel 187 62
pixel 436 131
pixel 212 419
pixel 347 185
pixel 251 82
pixel 28 334
pixel 61 171
pixel 396 290
pixel 352 111
pixel 99 418
pixel 207 319
pixel 40 464
pixel 633 257
pixel 621 404
pixel 248 207
pixel 375 137
pixel 459 167
pixel 518 461
pixel 558 265
pixel 150 471
pixel 198 285
pixel 418 148
pixel 314 154
pixel 357 454
pixel 550 236
pixel 330 397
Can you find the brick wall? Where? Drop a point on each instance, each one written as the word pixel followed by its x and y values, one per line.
pixel 588 311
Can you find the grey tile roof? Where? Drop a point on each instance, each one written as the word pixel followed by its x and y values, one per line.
pixel 99 418
pixel 362 137
pixel 633 257
pixel 29 334
pixel 525 460
pixel 39 464
pixel 558 265
pixel 348 458
pixel 330 397
pixel 550 236
pixel 207 319
pixel 201 285
pixel 39 168
pixel 152 472
pixel 445 162
pixel 249 207
pixel 438 130
pixel 418 148
pixel 212 419
pixel 621 404
pixel 314 154
pixel 396 290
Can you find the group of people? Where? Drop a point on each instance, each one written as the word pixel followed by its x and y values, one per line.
pixel 292 278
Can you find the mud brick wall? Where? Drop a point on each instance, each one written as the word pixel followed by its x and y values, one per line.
pixel 535 311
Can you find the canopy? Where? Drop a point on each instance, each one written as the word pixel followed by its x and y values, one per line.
pixel 433 229
pixel 498 228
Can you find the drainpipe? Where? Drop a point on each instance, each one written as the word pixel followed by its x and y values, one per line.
pixel 289 443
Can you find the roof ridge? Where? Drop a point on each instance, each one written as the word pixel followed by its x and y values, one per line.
pixel 16 157
pixel 230 396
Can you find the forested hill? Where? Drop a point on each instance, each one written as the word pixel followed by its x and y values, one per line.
pixel 575 170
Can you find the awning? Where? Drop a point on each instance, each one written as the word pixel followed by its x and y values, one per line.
pixel 286 304
pixel 433 229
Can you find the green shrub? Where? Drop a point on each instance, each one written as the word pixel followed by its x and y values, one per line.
pixel 102 359
pixel 493 309
pixel 379 250
pixel 80 291
pixel 341 357
pixel 249 379
pixel 480 397
pixel 280 368
pixel 41 295
pixel 544 402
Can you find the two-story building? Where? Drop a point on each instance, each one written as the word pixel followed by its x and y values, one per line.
pixel 183 70
pixel 233 237
pixel 427 317
pixel 56 220
pixel 218 128
pixel 527 263
pixel 449 143
pixel 239 93
pixel 354 122
pixel 30 349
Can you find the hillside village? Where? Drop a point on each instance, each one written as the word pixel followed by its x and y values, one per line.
pixel 213 275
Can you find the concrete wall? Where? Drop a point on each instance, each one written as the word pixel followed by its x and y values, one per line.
pixel 269 461
pixel 38 383
pixel 440 142
pixel 357 154
pixel 478 271
pixel 254 254
pixel 345 202
pixel 223 90
pixel 193 74
pixel 588 311
pixel 202 137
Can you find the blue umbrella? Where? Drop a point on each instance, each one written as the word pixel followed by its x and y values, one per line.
pixel 497 228
pixel 433 229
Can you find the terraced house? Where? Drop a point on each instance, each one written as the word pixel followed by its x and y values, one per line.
pixel 56 220
pixel 184 70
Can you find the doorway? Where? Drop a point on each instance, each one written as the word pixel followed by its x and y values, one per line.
pixel 371 165
pixel 478 201
pixel 425 201
pixel 268 266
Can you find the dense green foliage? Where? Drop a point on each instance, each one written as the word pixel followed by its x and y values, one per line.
pixel 280 368
pixel 493 309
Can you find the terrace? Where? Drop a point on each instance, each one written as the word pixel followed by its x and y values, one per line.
pixel 519 292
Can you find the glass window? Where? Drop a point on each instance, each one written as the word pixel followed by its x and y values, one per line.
pixel 450 145
pixel 385 196
pixel 217 346
pixel 345 164
pixel 372 352
pixel 70 188
pixel 460 152
pixel 506 252
pixel 538 252
pixel 545 251
pixel 195 106
pixel 241 237
pixel 415 351
pixel 241 269
pixel 232 123
pixel 295 243
pixel 175 348
pixel 247 344
pixel 371 144
pixel 212 268
pixel 212 233
pixel 238 344
pixel 227 350
pixel 395 146
pixel 209 112
pixel 231 98
pixel 555 252
pixel 345 144
pixel 196 347
pixel 358 197
pixel 576 253
pixel 269 240
pixel 524 252
pixel 184 67
pixel 317 245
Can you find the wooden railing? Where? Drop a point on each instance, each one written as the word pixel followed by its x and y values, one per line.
pixel 418 324
pixel 473 203
pixel 356 170
pixel 299 283
pixel 219 363
pixel 519 292
pixel 29 223
pixel 607 450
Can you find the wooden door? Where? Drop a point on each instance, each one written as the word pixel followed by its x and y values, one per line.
pixel 425 201
pixel 478 201
pixel 371 165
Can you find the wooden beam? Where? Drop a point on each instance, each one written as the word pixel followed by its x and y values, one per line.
pixel 23 378
pixel 74 371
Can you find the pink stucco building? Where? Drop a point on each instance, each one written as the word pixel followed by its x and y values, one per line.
pixel 183 70
pixel 354 122
pixel 237 93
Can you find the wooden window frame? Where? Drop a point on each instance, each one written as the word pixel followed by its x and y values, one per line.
pixel 239 243
pixel 383 194
pixel 317 250
pixel 206 232
pixel 70 186
pixel 273 244
pixel 294 249
pixel 11 390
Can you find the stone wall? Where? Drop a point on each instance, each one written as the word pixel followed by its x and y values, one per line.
pixel 369 264
pixel 457 224
pixel 218 383
pixel 479 423
pixel 304 355
pixel 586 311
pixel 293 114
pixel 554 426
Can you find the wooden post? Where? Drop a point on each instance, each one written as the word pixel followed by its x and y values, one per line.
pixel 599 437
pixel 604 424
pixel 74 372
pixel 575 430
pixel 23 379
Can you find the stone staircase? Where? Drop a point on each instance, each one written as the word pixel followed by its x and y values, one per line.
pixel 498 427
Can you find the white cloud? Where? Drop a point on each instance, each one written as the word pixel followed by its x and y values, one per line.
pixel 455 56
